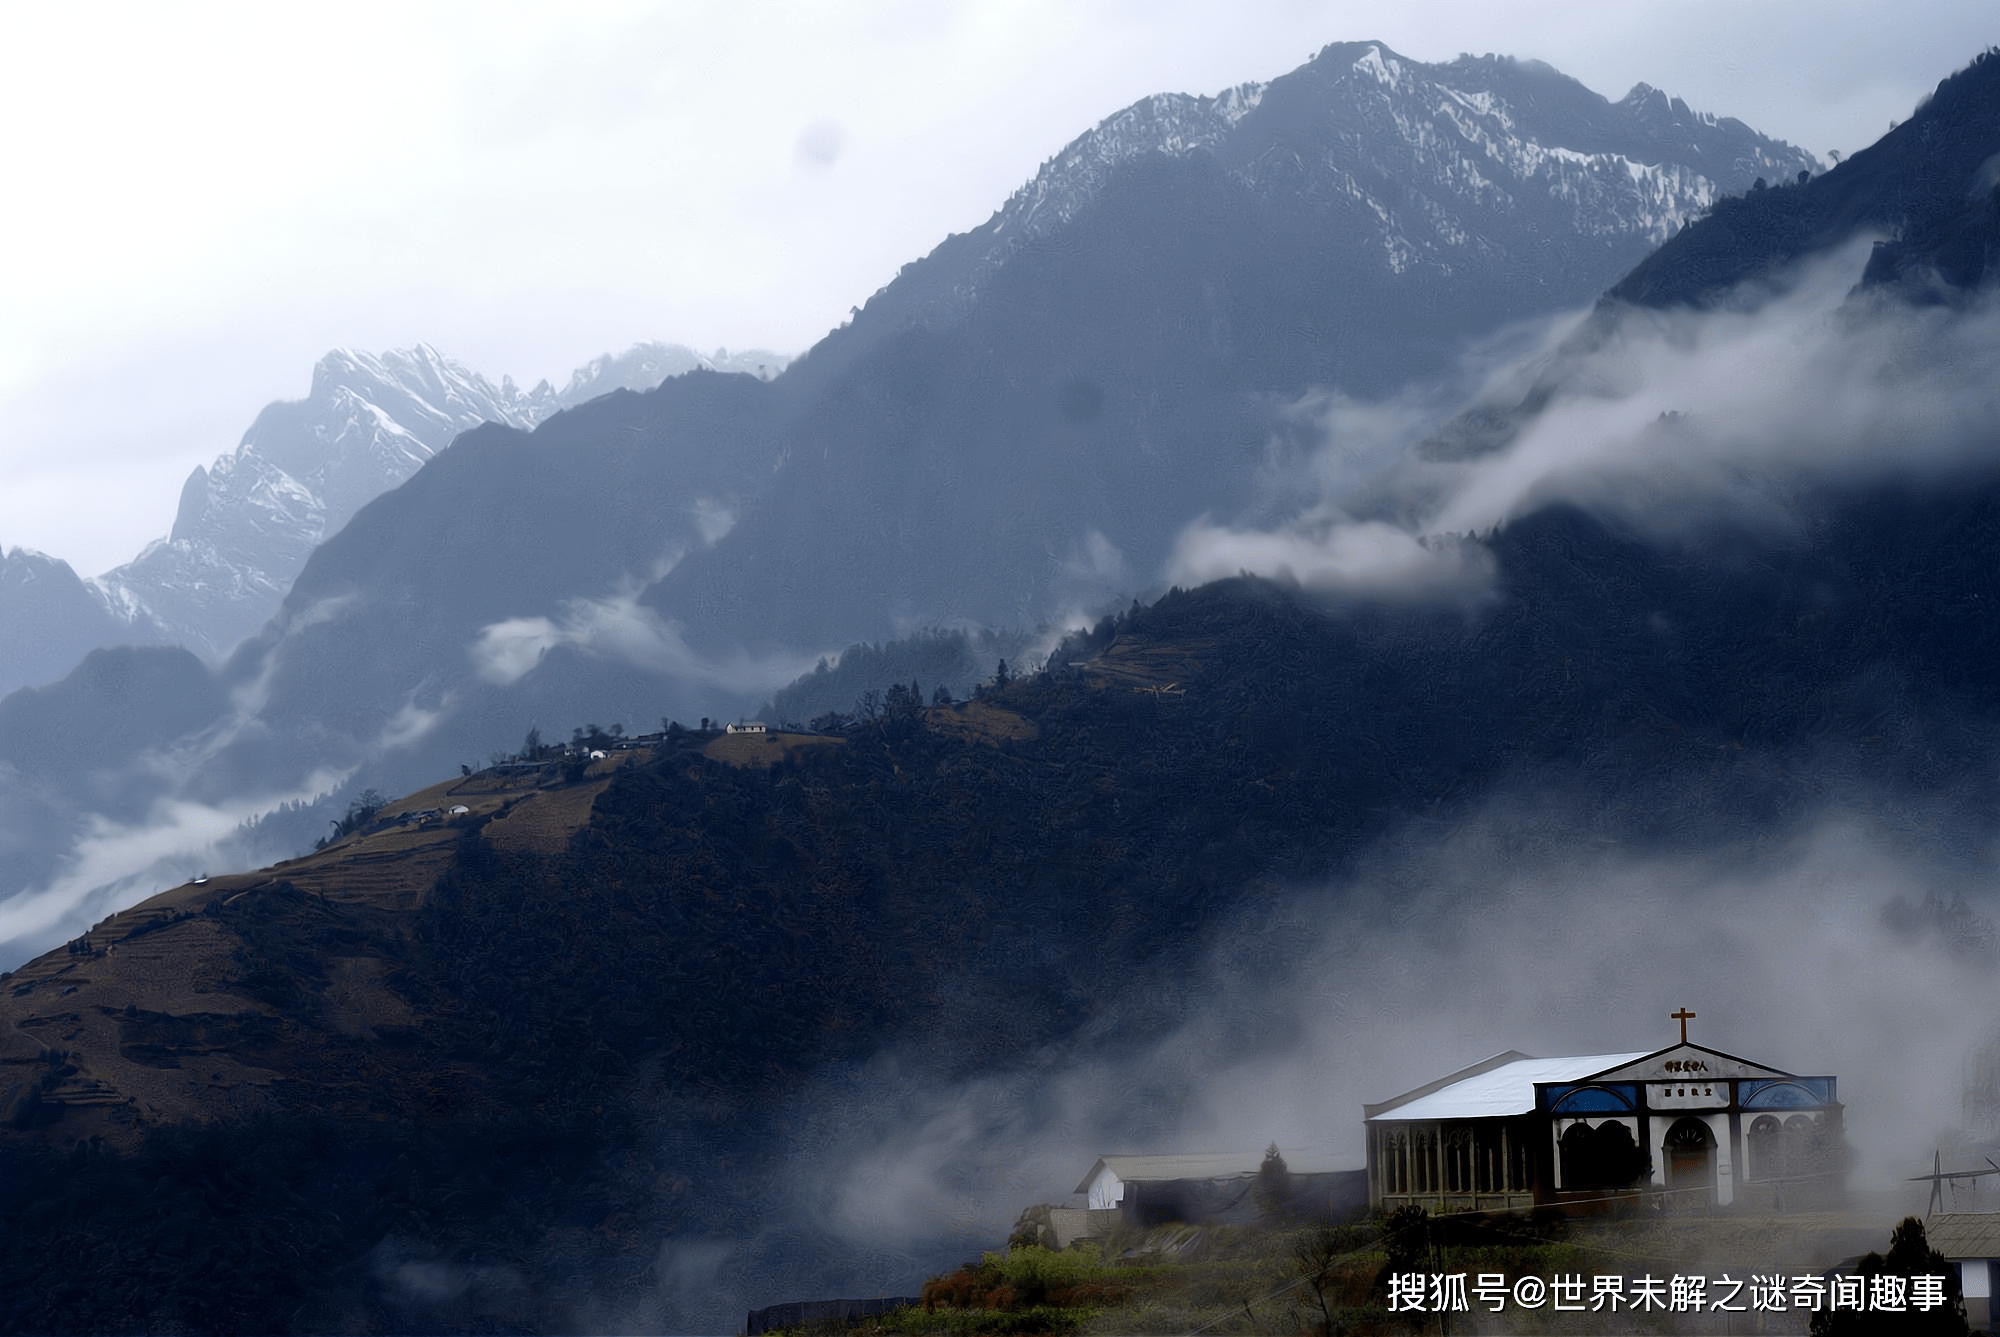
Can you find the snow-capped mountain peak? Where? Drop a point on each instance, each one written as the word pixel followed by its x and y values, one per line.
pixel 1446 164
pixel 247 522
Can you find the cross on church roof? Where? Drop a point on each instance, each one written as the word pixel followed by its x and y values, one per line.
pixel 1682 1017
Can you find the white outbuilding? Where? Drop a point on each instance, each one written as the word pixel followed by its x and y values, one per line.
pixel 1971 1242
pixel 1217 1187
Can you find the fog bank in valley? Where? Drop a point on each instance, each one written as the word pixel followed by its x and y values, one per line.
pixel 1839 948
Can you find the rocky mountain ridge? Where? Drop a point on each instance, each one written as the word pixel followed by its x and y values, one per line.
pixel 1421 147
pixel 246 522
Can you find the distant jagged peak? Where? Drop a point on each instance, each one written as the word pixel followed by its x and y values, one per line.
pixel 1646 100
pixel 23 563
pixel 415 386
pixel 246 522
pixel 644 366
pixel 420 364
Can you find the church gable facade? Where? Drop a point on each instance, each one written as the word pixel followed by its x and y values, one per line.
pixel 1685 1127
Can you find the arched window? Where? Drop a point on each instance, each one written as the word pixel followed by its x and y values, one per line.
pixel 1767 1148
pixel 1601 1157
pixel 1802 1149
pixel 1489 1159
pixel 1457 1160
pixel 1579 1157
pixel 1689 1135
pixel 1619 1160
pixel 1396 1163
pixel 1690 1148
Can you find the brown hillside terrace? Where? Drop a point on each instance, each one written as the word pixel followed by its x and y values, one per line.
pixel 151 1018
pixel 750 750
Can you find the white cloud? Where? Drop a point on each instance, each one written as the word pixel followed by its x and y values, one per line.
pixel 411 724
pixel 1667 419
pixel 712 520
pixel 173 840
pixel 508 651
pixel 1100 562
pixel 1811 385
pixel 619 627
pixel 1330 553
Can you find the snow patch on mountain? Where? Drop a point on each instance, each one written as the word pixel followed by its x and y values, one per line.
pixel 1170 123
pixel 1444 157
pixel 1383 70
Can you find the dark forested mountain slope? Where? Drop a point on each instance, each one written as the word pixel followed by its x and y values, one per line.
pixel 491 1045
pixel 1929 184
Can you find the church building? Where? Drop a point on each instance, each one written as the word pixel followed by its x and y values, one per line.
pixel 1686 1127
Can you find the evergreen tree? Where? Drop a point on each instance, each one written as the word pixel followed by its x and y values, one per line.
pixel 1910 1255
pixel 1274 1185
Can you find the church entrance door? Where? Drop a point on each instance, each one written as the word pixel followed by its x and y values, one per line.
pixel 1690 1149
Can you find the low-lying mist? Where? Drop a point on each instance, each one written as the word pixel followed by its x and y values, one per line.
pixel 1841 949
pixel 1669 420
pixel 226 796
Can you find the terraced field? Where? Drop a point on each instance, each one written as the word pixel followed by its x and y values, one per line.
pixel 169 1012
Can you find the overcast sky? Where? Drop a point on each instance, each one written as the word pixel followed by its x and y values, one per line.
pixel 203 199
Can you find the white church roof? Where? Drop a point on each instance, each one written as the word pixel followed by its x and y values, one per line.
pixel 1497 1091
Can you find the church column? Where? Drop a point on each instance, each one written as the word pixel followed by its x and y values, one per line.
pixel 1738 1161
pixel 1725 1161
pixel 1374 1163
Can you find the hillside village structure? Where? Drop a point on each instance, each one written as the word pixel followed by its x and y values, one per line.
pixel 1691 1127
pixel 1216 1187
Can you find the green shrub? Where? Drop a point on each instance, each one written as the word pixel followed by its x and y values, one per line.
pixel 1028 1277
